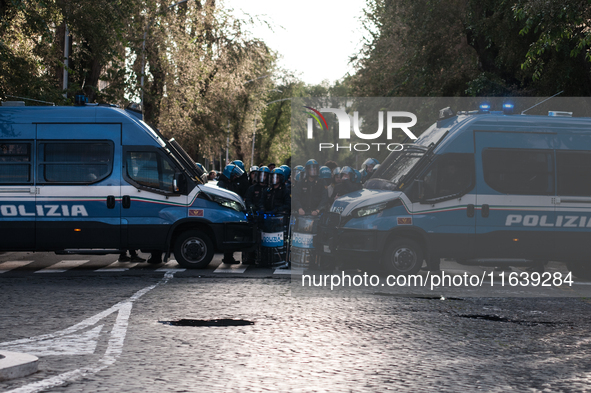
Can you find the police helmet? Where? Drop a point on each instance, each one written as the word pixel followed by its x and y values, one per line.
pixel 252 173
pixel 325 172
pixel 286 171
pixel 312 167
pixel 298 169
pixel 357 178
pixel 347 174
pixel 232 171
pixel 263 176
pixel 240 164
pixel 277 176
pixel 200 166
pixel 336 171
pixel 368 165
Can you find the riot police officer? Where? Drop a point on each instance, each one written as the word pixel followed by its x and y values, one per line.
pixel 252 175
pixel 368 168
pixel 336 179
pixel 310 196
pixel 297 171
pixel 255 192
pixel 229 177
pixel 276 198
pixel 325 175
pixel 348 183
pixel 287 173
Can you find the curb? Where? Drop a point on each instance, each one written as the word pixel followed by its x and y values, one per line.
pixel 16 365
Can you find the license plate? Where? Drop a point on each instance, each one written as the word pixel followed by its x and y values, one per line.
pixel 327 249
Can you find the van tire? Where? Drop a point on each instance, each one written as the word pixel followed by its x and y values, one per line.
pixel 402 257
pixel 581 270
pixel 193 250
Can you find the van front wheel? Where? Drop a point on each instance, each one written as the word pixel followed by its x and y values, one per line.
pixel 403 256
pixel 193 250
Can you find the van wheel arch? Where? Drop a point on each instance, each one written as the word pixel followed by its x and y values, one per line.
pixel 189 226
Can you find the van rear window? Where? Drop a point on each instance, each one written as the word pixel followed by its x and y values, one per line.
pixel 15 163
pixel 519 171
pixel 75 162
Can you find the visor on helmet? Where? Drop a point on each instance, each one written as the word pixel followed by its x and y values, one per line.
pixel 263 177
pixel 276 178
pixel 313 169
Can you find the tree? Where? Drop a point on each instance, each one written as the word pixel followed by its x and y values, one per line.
pixel 473 47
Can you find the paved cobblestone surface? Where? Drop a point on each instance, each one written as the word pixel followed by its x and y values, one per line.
pixel 370 344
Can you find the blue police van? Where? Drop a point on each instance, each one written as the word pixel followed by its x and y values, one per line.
pixel 480 187
pixel 97 180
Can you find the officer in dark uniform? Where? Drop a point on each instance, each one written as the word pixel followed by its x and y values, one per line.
pixel 276 198
pixel 255 192
pixel 252 175
pixel 348 182
pixel 229 181
pixel 310 195
pixel 368 168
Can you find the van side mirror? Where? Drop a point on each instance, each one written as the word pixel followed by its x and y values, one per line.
pixel 179 183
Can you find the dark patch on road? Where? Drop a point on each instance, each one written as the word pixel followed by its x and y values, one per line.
pixel 208 322
pixel 410 296
pixel 496 318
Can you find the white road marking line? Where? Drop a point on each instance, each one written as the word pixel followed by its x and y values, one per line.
pixel 73 344
pixel 117 267
pixel 10 265
pixel 237 268
pixel 62 266
pixel 288 271
pixel 170 266
pixel 114 347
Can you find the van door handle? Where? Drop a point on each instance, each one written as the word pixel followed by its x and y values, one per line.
pixel 470 210
pixel 126 201
pixel 111 202
pixel 485 210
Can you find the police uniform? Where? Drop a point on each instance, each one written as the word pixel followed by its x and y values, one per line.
pixel 310 195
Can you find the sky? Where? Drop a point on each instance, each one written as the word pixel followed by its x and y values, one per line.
pixel 315 38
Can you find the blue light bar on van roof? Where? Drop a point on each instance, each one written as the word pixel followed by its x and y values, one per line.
pixel 484 108
pixel 508 108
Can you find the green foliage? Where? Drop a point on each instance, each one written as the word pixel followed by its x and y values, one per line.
pixel 475 48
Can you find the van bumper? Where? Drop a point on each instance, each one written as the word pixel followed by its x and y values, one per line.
pixel 234 236
pixel 352 246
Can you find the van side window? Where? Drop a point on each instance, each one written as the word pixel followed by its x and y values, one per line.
pixel 15 163
pixel 450 175
pixel 519 171
pixel 573 169
pixel 75 162
pixel 150 169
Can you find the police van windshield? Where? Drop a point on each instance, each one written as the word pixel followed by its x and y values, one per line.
pixel 400 163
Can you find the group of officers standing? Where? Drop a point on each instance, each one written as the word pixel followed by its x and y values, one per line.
pixel 314 187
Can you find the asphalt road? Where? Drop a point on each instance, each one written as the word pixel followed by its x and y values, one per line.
pixel 110 332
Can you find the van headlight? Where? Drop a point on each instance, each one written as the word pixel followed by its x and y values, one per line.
pixel 375 209
pixel 225 202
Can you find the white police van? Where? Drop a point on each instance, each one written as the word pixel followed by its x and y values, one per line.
pixel 481 187
pixel 97 180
